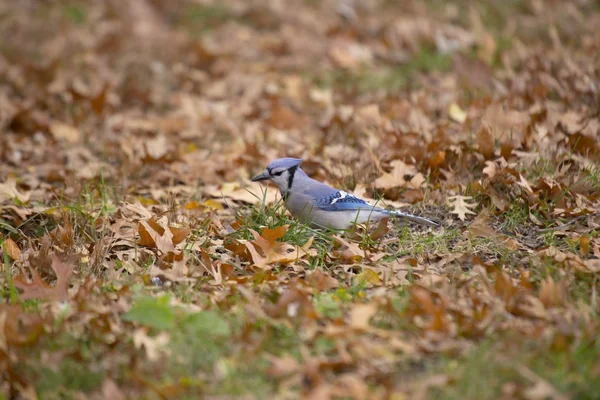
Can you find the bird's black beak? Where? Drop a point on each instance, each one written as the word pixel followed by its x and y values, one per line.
pixel 263 176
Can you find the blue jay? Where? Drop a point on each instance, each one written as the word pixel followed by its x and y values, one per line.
pixel 320 205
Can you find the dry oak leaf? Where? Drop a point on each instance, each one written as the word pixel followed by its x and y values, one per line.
pixel 321 282
pixel 349 252
pixel 573 261
pixel 252 194
pixel 460 206
pixel 397 177
pixel 154 235
pixel 9 191
pixel 480 227
pixel 265 249
pixel 39 289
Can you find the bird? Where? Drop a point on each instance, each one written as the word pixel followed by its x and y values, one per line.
pixel 322 206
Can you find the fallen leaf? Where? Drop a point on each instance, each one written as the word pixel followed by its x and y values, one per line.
pixel 398 177
pixel 62 131
pixel 551 294
pixel 266 251
pixel 460 206
pixel 349 252
pixel 456 113
pixel 39 289
pixel 485 142
pixel 368 277
pixel 361 314
pixel 9 191
pixel 282 366
pixel 156 347
pixel 481 227
pixel 12 249
pixel 320 281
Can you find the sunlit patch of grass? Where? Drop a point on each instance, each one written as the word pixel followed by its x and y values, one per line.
pixel 539 168
pixel 70 376
pixel 328 305
pixel 202 18
pixel 509 363
pixel 389 78
pixel 516 217
pixel 75 13
pixel 478 375
pixel 419 244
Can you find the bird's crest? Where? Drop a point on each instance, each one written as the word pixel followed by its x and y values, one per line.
pixel 285 163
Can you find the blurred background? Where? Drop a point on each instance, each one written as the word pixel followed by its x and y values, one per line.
pixel 208 91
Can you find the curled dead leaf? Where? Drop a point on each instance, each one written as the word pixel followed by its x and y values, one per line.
pixel 266 250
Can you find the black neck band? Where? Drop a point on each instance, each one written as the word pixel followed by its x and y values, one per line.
pixel 292 172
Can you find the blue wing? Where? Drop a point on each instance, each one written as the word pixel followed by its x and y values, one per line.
pixel 341 201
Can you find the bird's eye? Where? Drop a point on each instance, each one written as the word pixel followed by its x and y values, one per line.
pixel 278 173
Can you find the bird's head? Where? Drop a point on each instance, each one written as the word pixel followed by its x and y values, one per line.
pixel 281 172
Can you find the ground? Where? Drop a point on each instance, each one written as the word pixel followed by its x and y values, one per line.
pixel 140 261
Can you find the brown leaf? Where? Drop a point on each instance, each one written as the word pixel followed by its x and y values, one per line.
pixel 552 294
pixel 321 282
pixel 179 234
pixel 265 250
pixel 154 235
pixel 282 367
pixel 283 117
pixel 571 260
pixel 39 289
pixel 584 246
pixel 480 227
pixel 349 252
pixel 66 132
pixel 12 249
pixel 485 141
pixel 292 303
pixel 18 328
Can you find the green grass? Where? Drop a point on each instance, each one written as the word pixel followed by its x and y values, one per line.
pixel 75 14
pixel 201 19
pixel 391 78
pixel 507 362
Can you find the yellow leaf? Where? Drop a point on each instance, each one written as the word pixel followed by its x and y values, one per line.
pixel 368 277
pixel 190 205
pixel 213 204
pixel 145 201
pixel 456 113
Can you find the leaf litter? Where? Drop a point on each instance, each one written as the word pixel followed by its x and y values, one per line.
pixel 140 261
